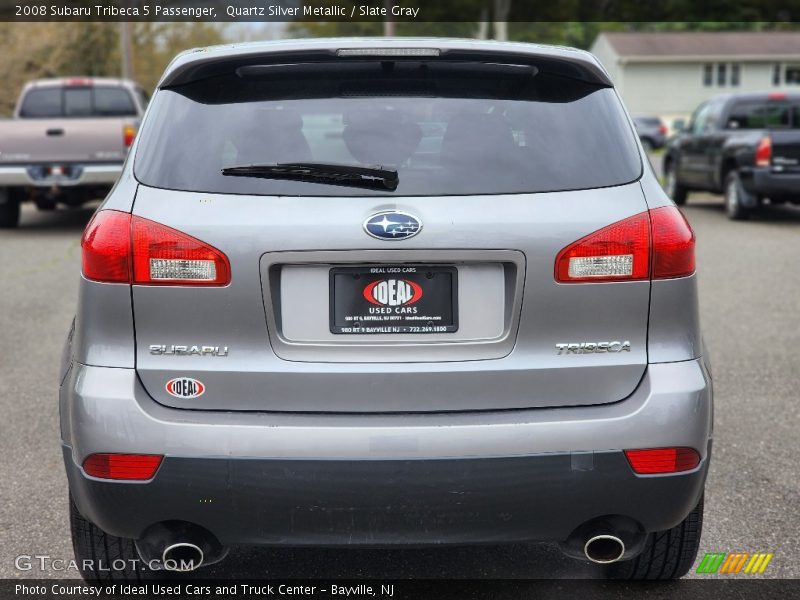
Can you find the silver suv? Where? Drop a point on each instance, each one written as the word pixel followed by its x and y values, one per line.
pixel 386 292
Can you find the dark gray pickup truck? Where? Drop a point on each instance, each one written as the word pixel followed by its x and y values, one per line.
pixel 745 146
pixel 66 142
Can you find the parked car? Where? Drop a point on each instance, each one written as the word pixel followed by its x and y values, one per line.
pixel 67 142
pixel 745 146
pixel 298 324
pixel 651 130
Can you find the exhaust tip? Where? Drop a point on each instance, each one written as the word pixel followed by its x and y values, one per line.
pixel 182 557
pixel 604 549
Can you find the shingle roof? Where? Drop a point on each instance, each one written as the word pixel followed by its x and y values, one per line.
pixel 664 44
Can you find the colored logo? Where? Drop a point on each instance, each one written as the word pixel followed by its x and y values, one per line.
pixel 734 562
pixel 392 225
pixel 185 387
pixel 392 292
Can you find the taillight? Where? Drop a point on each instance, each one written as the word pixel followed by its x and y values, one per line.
pixel 121 248
pixel 130 467
pixel 165 256
pixel 106 247
pixel 663 130
pixel 625 250
pixel 128 134
pixel 619 252
pixel 662 460
pixel 764 152
pixel 673 244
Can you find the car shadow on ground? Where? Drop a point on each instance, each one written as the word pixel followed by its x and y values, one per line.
pixel 58 220
pixel 779 214
pixel 520 561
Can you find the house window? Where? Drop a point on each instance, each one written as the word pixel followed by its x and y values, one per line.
pixel 708 74
pixel 791 76
pixel 722 74
pixel 735 75
pixel 776 75
pixel 725 74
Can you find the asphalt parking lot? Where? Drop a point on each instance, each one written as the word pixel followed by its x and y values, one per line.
pixel 750 302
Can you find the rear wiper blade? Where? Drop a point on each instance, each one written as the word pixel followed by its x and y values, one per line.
pixel 377 178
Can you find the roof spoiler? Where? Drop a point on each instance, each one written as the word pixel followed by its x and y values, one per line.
pixel 567 63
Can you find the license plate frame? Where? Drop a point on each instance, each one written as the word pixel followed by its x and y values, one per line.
pixel 392 309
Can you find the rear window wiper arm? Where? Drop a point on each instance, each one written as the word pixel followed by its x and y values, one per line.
pixel 377 178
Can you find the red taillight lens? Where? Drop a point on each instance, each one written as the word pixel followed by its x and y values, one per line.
pixel 622 251
pixel 128 133
pixel 131 467
pixel 619 252
pixel 673 244
pixel 764 152
pixel 663 130
pixel 662 460
pixel 106 247
pixel 120 248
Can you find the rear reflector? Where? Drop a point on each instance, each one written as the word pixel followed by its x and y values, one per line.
pixel 129 467
pixel 662 460
pixel 624 251
pixel 120 248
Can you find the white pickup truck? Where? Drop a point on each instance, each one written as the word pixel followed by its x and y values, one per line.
pixel 66 142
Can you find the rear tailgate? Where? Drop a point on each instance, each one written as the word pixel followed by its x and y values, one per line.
pixel 75 140
pixel 268 344
pixel 488 152
pixel 785 150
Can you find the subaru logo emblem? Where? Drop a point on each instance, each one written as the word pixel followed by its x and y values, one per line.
pixel 392 225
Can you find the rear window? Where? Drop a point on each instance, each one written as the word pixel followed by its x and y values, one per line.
pixel 77 101
pixel 447 129
pixel 764 114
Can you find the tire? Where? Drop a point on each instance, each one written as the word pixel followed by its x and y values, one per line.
pixel 9 210
pixel 674 190
pixel 735 196
pixel 667 554
pixel 93 546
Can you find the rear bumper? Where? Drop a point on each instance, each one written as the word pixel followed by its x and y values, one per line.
pixel 766 182
pixel 20 176
pixel 388 502
pixel 386 479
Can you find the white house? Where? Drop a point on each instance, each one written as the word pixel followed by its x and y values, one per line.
pixel 669 74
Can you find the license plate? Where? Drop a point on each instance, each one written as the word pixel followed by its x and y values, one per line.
pixel 393 299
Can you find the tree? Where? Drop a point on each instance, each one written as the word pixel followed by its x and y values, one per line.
pixel 37 50
pixel 156 44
